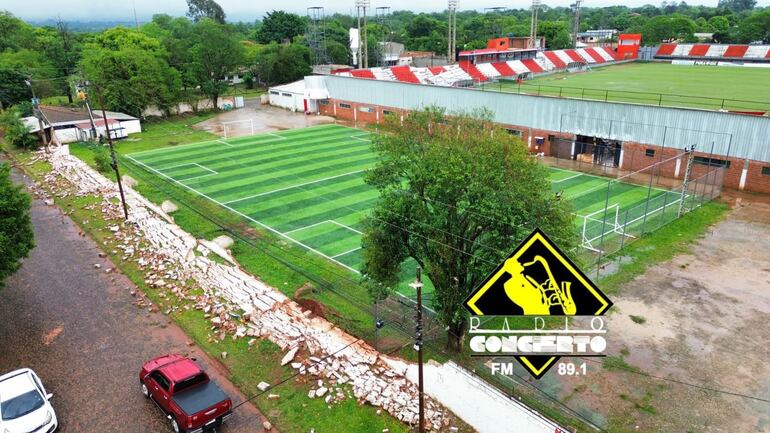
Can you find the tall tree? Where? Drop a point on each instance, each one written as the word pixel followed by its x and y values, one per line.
pixel 215 55
pixel 280 26
pixel 457 194
pixel 13 89
pixel 738 5
pixel 199 9
pixel 16 236
pixel 131 70
pixel 755 28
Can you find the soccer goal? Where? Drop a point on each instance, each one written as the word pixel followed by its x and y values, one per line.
pixel 600 224
pixel 238 128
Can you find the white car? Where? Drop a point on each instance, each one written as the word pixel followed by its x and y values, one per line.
pixel 24 404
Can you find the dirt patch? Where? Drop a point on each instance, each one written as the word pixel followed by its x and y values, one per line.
pixel 51 335
pixel 700 319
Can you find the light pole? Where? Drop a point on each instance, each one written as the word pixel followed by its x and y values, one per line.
pixel 417 285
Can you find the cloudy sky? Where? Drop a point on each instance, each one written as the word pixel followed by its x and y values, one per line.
pixel 87 10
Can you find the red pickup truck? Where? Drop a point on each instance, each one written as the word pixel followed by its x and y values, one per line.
pixel 191 401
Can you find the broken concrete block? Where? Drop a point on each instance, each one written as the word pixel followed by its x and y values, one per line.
pixel 289 356
pixel 263 386
pixel 168 206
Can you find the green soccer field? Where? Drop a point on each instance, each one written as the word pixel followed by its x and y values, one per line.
pixel 307 186
pixel 693 84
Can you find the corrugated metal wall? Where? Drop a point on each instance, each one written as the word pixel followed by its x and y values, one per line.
pixel 740 135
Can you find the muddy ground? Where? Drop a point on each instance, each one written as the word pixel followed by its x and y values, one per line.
pixel 702 319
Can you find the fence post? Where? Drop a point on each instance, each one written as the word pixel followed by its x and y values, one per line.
pixel 660 99
pixel 606 95
pixel 623 236
pixel 687 172
pixel 583 93
pixel 560 89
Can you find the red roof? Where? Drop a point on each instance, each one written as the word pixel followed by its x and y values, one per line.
pixel 362 73
pixel 493 51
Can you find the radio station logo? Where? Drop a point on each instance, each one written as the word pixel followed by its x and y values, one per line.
pixel 537 280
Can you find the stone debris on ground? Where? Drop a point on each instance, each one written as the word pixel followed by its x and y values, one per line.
pixel 239 305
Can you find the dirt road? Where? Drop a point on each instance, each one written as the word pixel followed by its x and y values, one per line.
pixel 74 324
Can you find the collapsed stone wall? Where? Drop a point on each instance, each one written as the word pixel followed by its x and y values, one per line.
pixel 315 347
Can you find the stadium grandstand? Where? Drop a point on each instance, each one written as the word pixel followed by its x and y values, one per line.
pixel 745 54
pixel 488 64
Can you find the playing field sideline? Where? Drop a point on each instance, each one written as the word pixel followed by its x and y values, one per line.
pixel 307 185
pixel 693 83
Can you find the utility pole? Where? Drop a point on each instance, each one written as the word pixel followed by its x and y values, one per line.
pixel 533 24
pixel 417 285
pixel 495 27
pixel 83 96
pixel 363 50
pixel 36 112
pixel 136 21
pixel 576 21
pixel 452 36
pixel 114 159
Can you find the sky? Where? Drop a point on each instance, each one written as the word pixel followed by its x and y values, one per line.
pixel 240 10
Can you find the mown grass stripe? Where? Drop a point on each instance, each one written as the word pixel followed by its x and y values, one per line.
pixel 246 167
pixel 231 192
pixel 280 205
pixel 218 150
pixel 333 213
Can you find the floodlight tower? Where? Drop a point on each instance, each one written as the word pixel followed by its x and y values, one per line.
pixel 316 35
pixel 533 24
pixel 452 36
pixel 363 51
pixel 382 14
pixel 576 20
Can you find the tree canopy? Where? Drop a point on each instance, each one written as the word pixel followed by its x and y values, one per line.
pixel 16 235
pixel 278 26
pixel 199 9
pixel 457 194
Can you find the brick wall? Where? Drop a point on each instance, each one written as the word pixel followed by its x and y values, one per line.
pixel 634 158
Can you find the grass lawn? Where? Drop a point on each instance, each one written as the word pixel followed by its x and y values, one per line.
pixel 693 84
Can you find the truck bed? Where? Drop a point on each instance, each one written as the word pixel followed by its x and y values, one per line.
pixel 200 398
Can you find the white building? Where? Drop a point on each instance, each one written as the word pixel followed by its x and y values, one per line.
pixel 71 124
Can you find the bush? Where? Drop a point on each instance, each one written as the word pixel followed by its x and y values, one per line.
pixel 16 133
pixel 16 236
pixel 102 159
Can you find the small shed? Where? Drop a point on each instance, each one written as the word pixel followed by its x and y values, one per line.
pixel 292 96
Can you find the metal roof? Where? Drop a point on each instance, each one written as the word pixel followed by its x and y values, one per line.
pixel 736 135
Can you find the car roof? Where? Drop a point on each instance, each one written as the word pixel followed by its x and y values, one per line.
pixel 180 369
pixel 16 383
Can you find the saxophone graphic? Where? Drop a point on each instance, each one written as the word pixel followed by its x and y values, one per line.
pixel 537 298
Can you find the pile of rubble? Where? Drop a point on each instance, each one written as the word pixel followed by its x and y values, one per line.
pixel 239 305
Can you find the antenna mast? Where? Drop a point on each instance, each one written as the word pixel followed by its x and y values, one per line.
pixel 383 19
pixel 316 35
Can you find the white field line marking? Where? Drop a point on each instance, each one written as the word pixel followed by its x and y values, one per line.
pixel 295 186
pixel 346 227
pixel 225 143
pixel 308 227
pixel 569 178
pixel 326 222
pixel 276 135
pixel 263 225
pixel 189 164
pixel 346 252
